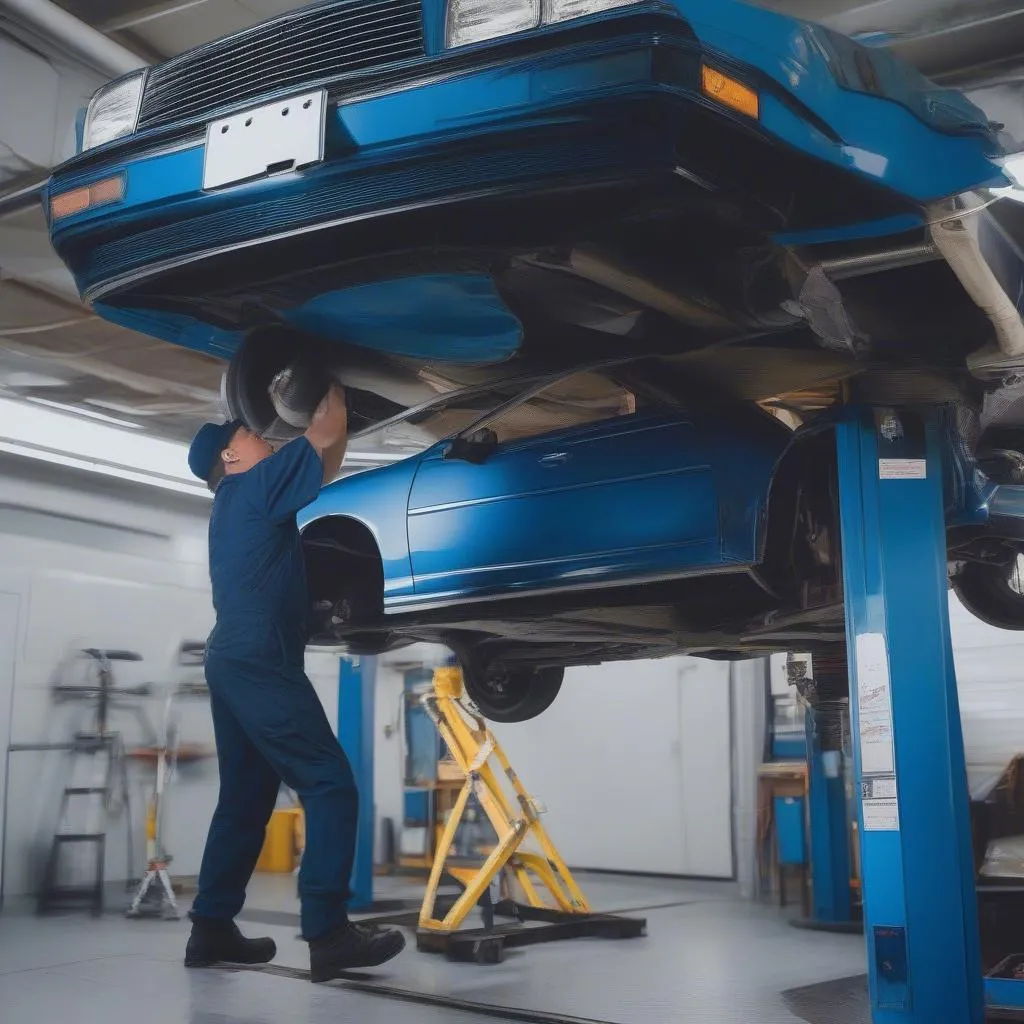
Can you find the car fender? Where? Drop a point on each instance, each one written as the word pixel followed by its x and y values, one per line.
pixel 378 500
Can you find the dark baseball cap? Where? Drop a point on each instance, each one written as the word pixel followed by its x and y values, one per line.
pixel 207 445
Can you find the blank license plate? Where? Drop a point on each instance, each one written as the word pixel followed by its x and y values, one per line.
pixel 282 136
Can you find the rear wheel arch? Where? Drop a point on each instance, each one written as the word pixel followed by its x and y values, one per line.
pixel 805 481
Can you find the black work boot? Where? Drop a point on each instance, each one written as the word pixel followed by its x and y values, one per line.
pixel 220 942
pixel 351 947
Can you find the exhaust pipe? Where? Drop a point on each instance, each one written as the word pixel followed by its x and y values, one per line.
pixel 956 236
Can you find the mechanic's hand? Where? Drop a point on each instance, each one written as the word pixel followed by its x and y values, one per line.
pixel 333 404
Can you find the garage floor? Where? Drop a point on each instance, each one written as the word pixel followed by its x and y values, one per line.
pixel 709 957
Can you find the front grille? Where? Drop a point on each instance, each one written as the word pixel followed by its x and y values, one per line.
pixel 325 41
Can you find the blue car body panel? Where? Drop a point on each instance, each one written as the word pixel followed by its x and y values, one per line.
pixel 636 498
pixel 624 498
pixel 620 502
pixel 506 115
pixel 457 318
pixel 378 500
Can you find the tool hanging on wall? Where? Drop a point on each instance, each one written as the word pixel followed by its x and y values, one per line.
pixel 525 877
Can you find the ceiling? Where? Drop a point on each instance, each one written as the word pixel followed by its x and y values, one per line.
pixel 53 351
pixel 157 30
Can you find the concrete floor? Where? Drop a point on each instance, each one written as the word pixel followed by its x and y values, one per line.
pixel 709 957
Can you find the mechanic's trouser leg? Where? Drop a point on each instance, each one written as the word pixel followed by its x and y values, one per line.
pixel 248 792
pixel 278 715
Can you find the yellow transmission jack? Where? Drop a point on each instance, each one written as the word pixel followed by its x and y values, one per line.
pixel 526 877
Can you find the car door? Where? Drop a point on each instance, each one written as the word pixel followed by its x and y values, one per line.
pixel 584 486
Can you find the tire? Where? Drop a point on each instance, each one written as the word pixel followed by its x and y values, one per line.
pixel 1001 455
pixel 263 354
pixel 512 694
pixel 985 591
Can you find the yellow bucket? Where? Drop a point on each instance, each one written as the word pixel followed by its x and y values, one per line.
pixel 283 842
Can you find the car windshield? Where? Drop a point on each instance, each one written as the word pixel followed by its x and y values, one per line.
pixel 415 432
pixel 564 402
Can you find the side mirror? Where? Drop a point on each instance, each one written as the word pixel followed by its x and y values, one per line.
pixel 474 448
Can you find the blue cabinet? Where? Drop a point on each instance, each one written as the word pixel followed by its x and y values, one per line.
pixel 790 831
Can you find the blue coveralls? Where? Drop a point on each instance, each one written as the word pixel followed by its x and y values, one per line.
pixel 268 721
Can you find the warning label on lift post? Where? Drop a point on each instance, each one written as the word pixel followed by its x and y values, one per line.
pixel 879 800
pixel 902 469
pixel 880 805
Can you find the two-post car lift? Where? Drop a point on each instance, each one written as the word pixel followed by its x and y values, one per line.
pixel 920 915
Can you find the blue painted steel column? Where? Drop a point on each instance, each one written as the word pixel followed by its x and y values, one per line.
pixel 355 733
pixel 829 835
pixel 920 912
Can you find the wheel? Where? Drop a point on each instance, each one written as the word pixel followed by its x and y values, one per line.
pixel 300 367
pixel 294 364
pixel 993 593
pixel 1001 455
pixel 511 694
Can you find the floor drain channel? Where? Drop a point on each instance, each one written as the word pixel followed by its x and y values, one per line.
pixel 357 984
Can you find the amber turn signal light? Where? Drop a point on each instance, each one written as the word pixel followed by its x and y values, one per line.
pixel 110 190
pixel 729 92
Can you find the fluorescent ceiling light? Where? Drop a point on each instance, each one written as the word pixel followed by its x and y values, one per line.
pixel 103 468
pixel 76 410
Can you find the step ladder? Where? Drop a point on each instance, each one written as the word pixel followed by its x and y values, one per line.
pixel 98 769
pixel 97 774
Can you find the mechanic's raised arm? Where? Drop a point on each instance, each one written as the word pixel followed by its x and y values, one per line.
pixel 328 433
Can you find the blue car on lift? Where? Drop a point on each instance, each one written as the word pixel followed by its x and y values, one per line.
pixel 445 203
pixel 527 185
pixel 613 512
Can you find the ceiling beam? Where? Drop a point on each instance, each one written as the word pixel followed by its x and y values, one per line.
pixel 21 198
pixel 151 13
pixel 75 35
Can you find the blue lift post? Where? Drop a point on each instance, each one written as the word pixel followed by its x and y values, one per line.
pixel 355 734
pixel 924 961
pixel 829 837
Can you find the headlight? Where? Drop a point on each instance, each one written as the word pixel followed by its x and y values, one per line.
pixel 565 10
pixel 473 21
pixel 113 111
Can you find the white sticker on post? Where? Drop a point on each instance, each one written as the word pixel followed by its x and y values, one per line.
pixel 879 788
pixel 902 469
pixel 881 815
pixel 874 706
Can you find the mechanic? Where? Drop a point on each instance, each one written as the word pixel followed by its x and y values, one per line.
pixel 268 722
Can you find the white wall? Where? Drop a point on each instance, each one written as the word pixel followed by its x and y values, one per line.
pixel 749 714
pixel 103 564
pixel 633 761
pixel 10 617
pixel 990 683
